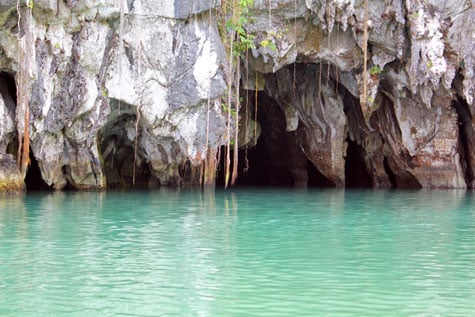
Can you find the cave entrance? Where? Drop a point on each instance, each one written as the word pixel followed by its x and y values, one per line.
pixel 116 142
pixel 467 142
pixel 8 85
pixel 33 179
pixel 276 160
pixel 9 139
pixel 258 166
pixel 356 172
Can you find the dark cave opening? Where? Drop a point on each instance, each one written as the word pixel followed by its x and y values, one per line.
pixel 356 170
pixel 66 170
pixel 277 159
pixel 356 173
pixel 8 94
pixel 7 81
pixel 257 167
pixel 466 141
pixel 33 179
pixel 117 149
pixel 390 173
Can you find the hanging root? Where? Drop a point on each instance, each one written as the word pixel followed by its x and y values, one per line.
pixel 236 128
pixel 365 55
pixel 255 109
pixel 136 145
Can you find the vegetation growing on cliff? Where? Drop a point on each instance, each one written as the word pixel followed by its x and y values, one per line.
pixel 237 42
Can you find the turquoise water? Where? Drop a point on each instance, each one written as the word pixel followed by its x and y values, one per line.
pixel 238 253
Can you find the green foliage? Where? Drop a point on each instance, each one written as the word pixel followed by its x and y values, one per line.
pixel 271 36
pixel 375 70
pixel 31 4
pixel 227 109
pixel 268 43
pixel 244 6
pixel 236 23
pixel 237 41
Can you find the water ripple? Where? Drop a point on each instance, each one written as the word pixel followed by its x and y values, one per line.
pixel 244 253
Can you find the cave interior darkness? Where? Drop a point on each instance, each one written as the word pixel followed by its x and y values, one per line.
pixel 267 163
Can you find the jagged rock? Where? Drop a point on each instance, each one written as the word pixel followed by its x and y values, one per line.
pixel 321 130
pixel 177 9
pixel 171 71
pixel 7 114
pixel 124 91
pixel 10 178
pixel 166 66
pixel 422 144
pixel 407 125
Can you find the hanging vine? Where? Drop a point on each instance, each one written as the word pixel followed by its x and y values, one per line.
pixel 365 55
pixel 208 169
pixel 121 46
pixel 26 52
pixel 256 95
pixel 237 41
pixel 246 119
pixel 138 90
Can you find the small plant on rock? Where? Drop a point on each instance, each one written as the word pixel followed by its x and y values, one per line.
pixel 375 71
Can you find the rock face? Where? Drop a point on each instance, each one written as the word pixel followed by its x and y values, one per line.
pixel 130 92
pixel 112 85
pixel 414 126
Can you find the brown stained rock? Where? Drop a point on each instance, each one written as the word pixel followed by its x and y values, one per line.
pixel 10 177
pixel 422 144
pixel 374 159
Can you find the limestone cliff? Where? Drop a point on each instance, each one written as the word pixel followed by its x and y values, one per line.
pixel 131 92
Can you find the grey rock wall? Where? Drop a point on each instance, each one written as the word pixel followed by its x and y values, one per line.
pixel 161 62
pixel 418 95
pixel 135 89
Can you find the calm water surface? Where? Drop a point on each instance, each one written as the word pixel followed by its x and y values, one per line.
pixel 238 253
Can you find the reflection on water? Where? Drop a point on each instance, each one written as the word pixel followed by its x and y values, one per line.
pixel 238 253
